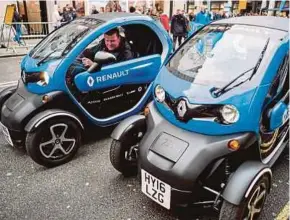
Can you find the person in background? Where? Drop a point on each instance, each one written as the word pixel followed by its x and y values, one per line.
pixel 187 22
pixel 191 16
pixel 73 12
pixel 194 26
pixel 154 14
pixel 139 10
pixel 108 9
pixel 178 27
pixel 17 27
pixel 67 16
pixel 102 10
pixel 202 17
pixel 132 9
pixel 164 19
pixel 56 18
pixel 94 10
pixel 117 7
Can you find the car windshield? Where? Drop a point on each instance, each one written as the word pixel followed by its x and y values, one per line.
pixel 219 53
pixel 61 41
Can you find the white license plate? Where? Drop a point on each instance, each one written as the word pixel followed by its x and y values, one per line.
pixel 155 189
pixel 6 134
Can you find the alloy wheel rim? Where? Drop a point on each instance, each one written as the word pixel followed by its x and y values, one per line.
pixel 256 202
pixel 59 145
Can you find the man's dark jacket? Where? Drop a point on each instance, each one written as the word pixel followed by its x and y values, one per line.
pixel 122 53
pixel 178 25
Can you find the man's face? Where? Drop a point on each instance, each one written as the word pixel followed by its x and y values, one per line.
pixel 112 42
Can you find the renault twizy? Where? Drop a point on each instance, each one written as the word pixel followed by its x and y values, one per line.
pixel 57 97
pixel 218 122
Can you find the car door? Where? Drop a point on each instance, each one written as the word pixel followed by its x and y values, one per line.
pixel 121 89
pixel 117 88
pixel 278 92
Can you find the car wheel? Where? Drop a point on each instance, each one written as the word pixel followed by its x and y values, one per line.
pixel 121 159
pixel 54 143
pixel 251 208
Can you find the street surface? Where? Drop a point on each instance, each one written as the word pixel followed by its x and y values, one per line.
pixel 88 187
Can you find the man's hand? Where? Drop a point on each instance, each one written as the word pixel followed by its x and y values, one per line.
pixel 87 62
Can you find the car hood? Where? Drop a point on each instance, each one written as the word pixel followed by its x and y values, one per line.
pixel 29 64
pixel 241 97
pixel 201 93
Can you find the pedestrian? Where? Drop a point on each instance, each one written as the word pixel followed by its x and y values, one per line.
pixel 132 9
pixel 193 25
pixel 102 10
pixel 108 9
pixel 178 27
pixel 117 7
pixel 17 26
pixel 94 10
pixel 67 16
pixel 164 19
pixel 202 17
pixel 154 14
pixel 56 18
pixel 139 10
pixel 73 12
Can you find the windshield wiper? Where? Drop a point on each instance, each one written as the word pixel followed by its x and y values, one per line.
pixel 216 92
pixel 47 56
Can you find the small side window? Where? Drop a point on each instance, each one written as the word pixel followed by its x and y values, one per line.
pixel 281 81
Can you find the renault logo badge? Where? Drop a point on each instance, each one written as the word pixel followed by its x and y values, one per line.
pixel 181 108
pixel 90 81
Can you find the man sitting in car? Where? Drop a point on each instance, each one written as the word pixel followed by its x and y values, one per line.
pixel 115 44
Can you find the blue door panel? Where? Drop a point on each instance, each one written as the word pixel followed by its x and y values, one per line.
pixel 141 70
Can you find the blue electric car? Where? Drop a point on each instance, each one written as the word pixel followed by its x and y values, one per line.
pixel 57 97
pixel 218 122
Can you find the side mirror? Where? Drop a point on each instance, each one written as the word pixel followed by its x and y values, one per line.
pixel 101 58
pixel 278 115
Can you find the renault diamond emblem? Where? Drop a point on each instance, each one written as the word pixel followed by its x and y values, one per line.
pixel 90 81
pixel 181 108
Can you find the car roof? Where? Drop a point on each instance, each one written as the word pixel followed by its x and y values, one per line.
pixel 117 16
pixel 261 21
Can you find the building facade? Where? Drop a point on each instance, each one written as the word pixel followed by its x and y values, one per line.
pixel 41 11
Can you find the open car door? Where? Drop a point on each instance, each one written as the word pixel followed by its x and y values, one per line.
pixel 118 89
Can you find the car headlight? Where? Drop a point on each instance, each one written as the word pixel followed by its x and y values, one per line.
pixel 41 78
pixel 159 93
pixel 44 78
pixel 230 114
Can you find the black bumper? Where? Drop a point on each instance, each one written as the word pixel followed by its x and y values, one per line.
pixel 178 157
pixel 17 109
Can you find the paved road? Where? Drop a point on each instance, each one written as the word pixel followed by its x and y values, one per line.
pixel 88 187
pixel 9 69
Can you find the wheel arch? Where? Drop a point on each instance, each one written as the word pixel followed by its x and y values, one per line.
pixel 127 125
pixel 244 179
pixel 42 117
pixel 5 93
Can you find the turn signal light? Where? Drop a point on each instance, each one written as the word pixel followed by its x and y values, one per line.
pixel 45 98
pixel 234 145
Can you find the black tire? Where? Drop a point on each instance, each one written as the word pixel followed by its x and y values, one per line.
pixel 118 160
pixel 10 91
pixel 230 211
pixel 43 134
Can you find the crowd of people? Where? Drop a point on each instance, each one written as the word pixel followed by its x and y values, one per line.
pixel 67 14
pixel 180 25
